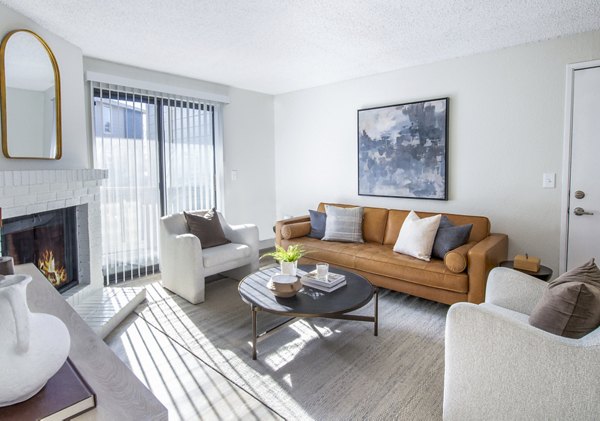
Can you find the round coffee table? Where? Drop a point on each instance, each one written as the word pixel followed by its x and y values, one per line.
pixel 308 302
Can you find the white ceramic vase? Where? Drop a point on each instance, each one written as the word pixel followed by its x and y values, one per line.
pixel 33 346
pixel 289 268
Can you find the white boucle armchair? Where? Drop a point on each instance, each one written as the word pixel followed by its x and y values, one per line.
pixel 498 367
pixel 184 264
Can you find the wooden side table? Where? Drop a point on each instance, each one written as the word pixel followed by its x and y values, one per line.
pixel 545 273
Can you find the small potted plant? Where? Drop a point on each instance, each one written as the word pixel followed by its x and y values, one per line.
pixel 288 259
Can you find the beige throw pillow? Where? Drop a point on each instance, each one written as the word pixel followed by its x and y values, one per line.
pixel 417 236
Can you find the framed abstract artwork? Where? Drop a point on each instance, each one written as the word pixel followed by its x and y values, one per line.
pixel 403 150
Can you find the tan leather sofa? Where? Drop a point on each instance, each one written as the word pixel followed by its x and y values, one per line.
pixel 461 276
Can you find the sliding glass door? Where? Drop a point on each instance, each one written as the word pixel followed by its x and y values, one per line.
pixel 160 153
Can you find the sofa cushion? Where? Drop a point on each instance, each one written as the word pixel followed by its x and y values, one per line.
pixel 449 237
pixel 382 260
pixel 343 224
pixel 480 230
pixel 226 253
pixel 417 235
pixel 318 221
pixel 570 307
pixel 374 221
pixel 206 226
pixel 298 229
pixel 334 253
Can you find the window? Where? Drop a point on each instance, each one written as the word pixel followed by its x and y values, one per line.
pixel 106 118
pixel 160 153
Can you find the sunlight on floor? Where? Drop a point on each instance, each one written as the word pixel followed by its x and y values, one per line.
pixel 188 388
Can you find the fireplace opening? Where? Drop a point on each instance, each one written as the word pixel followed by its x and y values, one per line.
pixel 48 240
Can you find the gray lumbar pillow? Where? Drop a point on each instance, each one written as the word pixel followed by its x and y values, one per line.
pixel 344 224
pixel 570 306
pixel 449 237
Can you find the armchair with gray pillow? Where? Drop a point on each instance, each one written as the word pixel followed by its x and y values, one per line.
pixel 185 260
pixel 500 367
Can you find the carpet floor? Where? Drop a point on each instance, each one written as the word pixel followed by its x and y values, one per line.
pixel 318 368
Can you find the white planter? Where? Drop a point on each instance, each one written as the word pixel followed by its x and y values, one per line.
pixel 289 268
pixel 33 346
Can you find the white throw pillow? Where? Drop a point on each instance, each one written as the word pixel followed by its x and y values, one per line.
pixel 417 236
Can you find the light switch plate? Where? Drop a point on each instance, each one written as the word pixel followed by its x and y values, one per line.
pixel 234 175
pixel 549 180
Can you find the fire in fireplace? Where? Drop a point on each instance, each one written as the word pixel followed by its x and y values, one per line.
pixel 48 240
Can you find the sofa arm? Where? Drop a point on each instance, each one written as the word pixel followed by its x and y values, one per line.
pixel 499 367
pixel 280 224
pixel 514 290
pixel 181 266
pixel 483 257
pixel 242 234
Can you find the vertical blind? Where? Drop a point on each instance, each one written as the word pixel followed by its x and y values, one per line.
pixel 159 150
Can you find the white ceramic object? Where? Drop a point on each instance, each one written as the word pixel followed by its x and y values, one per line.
pixel 322 271
pixel 284 285
pixel 33 346
pixel 289 268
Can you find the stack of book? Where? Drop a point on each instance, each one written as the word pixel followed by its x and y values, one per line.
pixel 331 283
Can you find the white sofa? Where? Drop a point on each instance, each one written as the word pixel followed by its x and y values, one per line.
pixel 498 367
pixel 184 264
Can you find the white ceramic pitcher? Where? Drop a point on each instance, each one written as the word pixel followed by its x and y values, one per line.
pixel 33 346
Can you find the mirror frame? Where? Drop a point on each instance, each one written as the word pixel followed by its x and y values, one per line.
pixel 57 101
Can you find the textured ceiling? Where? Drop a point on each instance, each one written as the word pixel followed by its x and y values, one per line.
pixel 277 46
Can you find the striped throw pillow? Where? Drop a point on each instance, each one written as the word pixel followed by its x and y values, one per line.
pixel 343 224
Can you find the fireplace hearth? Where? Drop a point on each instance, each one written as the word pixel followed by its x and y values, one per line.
pixel 48 240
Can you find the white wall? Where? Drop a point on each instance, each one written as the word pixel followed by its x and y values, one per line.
pixel 248 144
pixel 506 129
pixel 250 151
pixel 69 58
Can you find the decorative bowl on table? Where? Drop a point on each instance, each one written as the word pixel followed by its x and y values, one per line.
pixel 284 286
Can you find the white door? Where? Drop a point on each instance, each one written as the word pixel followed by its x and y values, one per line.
pixel 584 194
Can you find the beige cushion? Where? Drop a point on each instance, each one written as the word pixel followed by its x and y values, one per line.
pixel 570 306
pixel 206 226
pixel 299 229
pixel 417 235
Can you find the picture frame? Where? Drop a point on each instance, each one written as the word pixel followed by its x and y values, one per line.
pixel 403 150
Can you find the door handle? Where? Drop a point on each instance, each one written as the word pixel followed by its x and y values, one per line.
pixel 581 211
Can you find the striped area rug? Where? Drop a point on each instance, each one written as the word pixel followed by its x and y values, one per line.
pixel 318 368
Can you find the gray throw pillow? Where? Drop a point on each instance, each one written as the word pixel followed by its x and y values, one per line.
pixel 449 237
pixel 206 226
pixel 570 307
pixel 318 221
pixel 344 224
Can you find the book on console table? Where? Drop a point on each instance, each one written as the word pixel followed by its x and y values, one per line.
pixel 65 395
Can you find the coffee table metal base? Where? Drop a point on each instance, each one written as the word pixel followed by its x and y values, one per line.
pixel 293 316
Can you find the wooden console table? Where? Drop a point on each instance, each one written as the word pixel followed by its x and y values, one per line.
pixel 119 393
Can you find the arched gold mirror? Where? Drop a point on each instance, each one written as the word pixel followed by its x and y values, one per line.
pixel 30 97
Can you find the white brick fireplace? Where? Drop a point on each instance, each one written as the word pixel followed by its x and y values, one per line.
pixel 31 192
